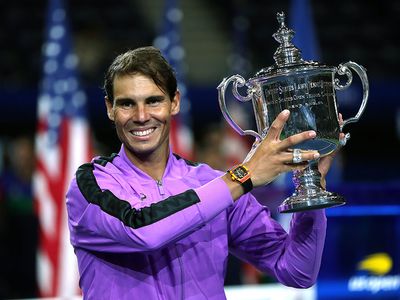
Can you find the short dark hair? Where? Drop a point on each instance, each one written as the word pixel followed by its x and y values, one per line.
pixel 147 61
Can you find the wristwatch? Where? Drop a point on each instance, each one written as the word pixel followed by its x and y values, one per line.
pixel 241 174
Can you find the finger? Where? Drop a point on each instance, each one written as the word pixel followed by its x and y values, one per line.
pixel 328 158
pixel 277 125
pixel 340 119
pixel 306 156
pixel 325 163
pixel 295 139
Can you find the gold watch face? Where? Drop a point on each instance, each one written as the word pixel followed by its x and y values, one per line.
pixel 240 172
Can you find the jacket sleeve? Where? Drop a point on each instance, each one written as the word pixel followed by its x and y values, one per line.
pixel 293 258
pixel 99 221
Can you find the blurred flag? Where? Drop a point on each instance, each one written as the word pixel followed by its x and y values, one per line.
pixel 63 142
pixel 169 42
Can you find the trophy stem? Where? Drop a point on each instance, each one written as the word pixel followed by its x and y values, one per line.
pixel 309 193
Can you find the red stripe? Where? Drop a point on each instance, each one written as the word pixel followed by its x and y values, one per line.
pixel 50 245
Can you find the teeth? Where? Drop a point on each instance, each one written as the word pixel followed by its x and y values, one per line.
pixel 143 132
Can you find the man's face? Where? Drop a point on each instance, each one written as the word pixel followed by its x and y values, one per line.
pixel 142 115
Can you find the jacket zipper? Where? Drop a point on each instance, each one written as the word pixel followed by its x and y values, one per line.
pixel 162 193
pixel 160 187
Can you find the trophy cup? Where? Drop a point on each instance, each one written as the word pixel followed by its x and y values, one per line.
pixel 307 89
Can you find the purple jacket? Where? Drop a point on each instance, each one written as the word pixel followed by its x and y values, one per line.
pixel 136 238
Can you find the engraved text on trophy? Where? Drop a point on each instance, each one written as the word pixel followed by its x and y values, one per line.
pixel 311 101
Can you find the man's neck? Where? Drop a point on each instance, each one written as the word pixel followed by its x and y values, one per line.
pixel 153 165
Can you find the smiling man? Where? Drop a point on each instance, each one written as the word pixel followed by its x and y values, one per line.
pixel 142 115
pixel 147 224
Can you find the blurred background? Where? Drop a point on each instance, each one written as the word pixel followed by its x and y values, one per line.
pixel 219 38
pixel 205 41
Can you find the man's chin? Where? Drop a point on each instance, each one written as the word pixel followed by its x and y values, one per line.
pixel 140 152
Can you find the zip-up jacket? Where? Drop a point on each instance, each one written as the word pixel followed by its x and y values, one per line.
pixel 137 238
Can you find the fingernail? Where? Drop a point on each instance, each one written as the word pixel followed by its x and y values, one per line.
pixel 316 155
pixel 312 134
pixel 286 112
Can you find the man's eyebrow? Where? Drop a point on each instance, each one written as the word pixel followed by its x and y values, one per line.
pixel 155 98
pixel 123 99
pixel 150 98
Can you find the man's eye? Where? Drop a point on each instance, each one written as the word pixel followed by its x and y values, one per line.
pixel 154 102
pixel 127 104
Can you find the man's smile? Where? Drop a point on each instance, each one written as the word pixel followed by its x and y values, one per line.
pixel 142 132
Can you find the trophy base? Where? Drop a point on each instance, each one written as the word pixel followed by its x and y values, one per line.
pixel 322 199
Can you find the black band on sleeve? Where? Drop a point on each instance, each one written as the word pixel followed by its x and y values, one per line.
pixel 122 209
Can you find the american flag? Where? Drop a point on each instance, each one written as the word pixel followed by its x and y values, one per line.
pixel 63 142
pixel 169 42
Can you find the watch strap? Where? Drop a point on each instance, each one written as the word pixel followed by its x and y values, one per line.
pixel 247 185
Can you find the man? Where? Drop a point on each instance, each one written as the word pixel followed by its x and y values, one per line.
pixel 147 224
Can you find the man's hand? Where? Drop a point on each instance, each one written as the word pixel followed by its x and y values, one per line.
pixel 325 162
pixel 273 156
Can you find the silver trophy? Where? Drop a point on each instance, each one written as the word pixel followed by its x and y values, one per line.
pixel 307 89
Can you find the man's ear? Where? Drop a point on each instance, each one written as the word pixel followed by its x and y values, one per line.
pixel 176 103
pixel 109 106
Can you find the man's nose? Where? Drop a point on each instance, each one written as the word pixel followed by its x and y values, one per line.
pixel 142 113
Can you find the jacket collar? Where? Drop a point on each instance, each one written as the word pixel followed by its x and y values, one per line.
pixel 128 166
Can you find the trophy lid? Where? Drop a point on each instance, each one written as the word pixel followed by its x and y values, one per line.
pixel 287 57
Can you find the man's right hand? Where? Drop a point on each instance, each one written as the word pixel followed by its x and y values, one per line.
pixel 274 156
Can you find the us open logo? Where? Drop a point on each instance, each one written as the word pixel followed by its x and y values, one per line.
pixel 377 266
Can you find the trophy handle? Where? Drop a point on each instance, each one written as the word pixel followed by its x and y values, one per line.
pixel 238 81
pixel 343 69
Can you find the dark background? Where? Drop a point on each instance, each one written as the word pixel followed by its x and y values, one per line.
pixel 362 31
